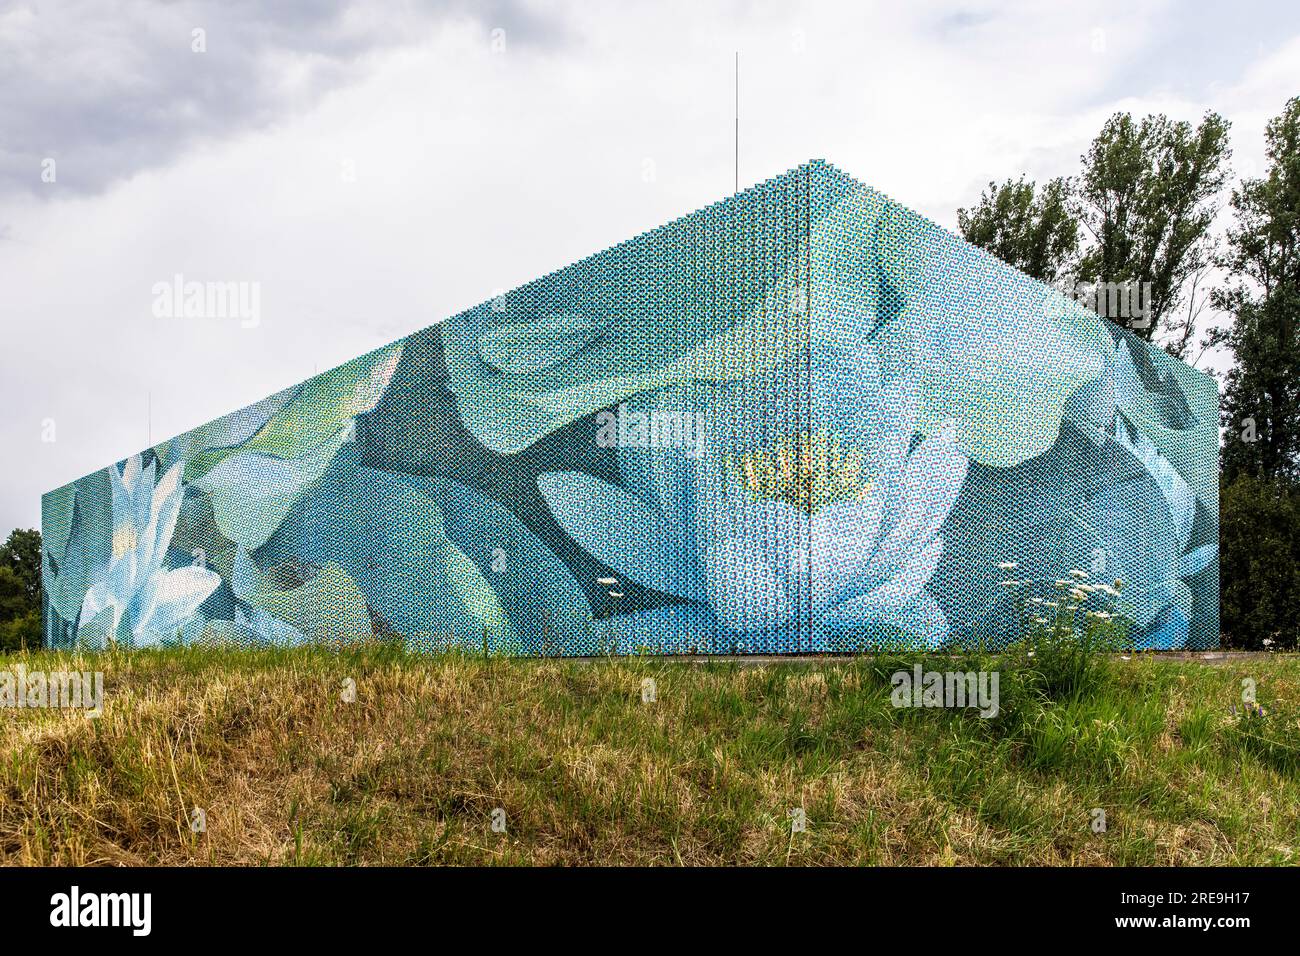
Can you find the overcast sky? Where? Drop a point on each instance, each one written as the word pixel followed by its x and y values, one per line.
pixel 381 167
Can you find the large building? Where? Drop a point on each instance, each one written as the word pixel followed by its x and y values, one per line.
pixel 802 419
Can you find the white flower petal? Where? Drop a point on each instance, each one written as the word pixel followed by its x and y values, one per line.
pixel 166 509
pixel 930 483
pixel 843 541
pixel 97 599
pixel 904 586
pixel 131 473
pixel 920 621
pixel 744 589
pixel 176 596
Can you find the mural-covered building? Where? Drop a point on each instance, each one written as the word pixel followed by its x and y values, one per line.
pixel 802 419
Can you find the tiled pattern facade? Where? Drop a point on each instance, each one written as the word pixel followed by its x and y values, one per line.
pixel 802 419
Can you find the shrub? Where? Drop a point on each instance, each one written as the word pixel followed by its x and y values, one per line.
pixel 1259 548
pixel 21 631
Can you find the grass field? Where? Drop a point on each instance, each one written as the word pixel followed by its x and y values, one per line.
pixel 410 772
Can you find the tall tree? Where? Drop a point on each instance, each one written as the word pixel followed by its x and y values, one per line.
pixel 20 591
pixel 13 595
pixel 1029 229
pixel 1259 576
pixel 1146 196
pixel 1261 402
pixel 22 554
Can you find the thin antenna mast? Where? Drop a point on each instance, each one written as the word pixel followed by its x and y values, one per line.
pixel 737 121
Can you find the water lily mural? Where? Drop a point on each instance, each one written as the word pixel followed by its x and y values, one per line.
pixel 804 520
pixel 804 419
pixel 139 601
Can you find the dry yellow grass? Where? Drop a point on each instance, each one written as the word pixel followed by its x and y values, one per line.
pixel 288 772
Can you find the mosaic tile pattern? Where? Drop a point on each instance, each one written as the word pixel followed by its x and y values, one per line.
pixel 802 419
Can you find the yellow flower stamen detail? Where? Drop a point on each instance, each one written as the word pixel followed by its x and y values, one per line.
pixel 124 540
pixel 809 471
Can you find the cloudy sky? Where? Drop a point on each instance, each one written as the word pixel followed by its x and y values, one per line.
pixel 380 166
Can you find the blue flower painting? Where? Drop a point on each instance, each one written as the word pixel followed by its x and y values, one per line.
pixel 804 419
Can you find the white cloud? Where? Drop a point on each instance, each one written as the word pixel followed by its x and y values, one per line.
pixel 477 170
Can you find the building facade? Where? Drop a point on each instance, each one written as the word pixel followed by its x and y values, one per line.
pixel 802 419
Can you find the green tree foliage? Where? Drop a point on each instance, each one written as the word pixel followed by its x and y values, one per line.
pixel 1259 542
pixel 1259 537
pixel 1261 401
pixel 1029 229
pixel 20 591
pixel 13 595
pixel 22 553
pixel 20 624
pixel 1146 197
pixel 1141 207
